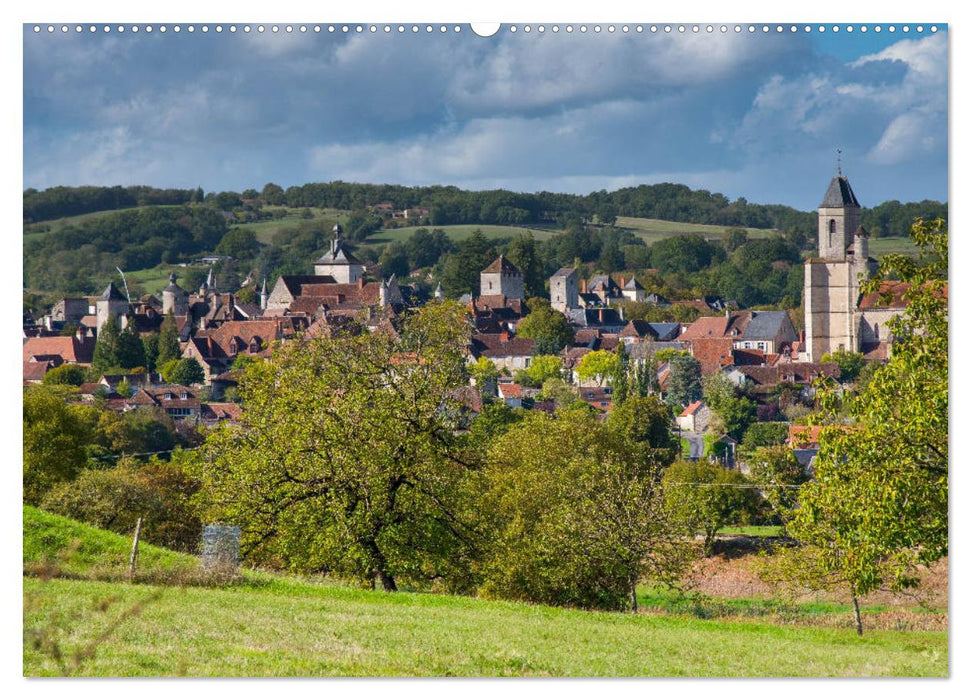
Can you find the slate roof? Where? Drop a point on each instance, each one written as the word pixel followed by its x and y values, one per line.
pixel 564 272
pixel 665 330
pixel 111 293
pixel 173 287
pixel 839 194
pixel 764 325
pixel 596 317
pixel 501 264
pixel 294 283
pixel 633 285
pixel 338 255
pixel 604 282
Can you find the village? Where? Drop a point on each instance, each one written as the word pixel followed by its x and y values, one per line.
pixel 758 351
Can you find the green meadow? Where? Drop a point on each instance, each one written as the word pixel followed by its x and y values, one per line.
pixel 169 621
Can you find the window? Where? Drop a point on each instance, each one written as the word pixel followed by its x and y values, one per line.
pixel 832 227
pixel 183 396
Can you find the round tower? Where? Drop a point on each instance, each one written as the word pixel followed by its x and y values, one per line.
pixel 174 298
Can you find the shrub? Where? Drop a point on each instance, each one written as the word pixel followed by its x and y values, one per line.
pixel 114 499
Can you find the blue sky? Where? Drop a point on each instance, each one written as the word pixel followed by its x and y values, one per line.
pixel 757 115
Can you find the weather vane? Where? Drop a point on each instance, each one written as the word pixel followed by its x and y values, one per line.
pixel 839 165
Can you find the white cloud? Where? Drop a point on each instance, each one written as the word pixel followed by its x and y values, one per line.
pixel 909 135
pixel 886 118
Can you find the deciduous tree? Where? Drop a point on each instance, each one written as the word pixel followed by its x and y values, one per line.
pixel 878 505
pixel 346 457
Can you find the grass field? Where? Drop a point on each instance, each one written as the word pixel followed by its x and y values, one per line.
pixel 289 628
pixel 267 625
pixel 652 230
pixel 266 230
pixel 463 231
pixel 882 246
pixel 753 530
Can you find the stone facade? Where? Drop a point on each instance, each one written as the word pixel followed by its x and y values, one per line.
pixel 564 290
pixel 502 278
pixel 832 288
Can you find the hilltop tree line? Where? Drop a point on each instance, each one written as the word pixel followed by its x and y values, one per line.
pixel 72 258
pixel 451 205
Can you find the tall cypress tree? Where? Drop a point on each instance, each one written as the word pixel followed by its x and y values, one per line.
pixel 168 341
pixel 621 388
pixel 130 351
pixel 106 347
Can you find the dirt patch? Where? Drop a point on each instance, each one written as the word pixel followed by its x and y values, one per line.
pixel 733 572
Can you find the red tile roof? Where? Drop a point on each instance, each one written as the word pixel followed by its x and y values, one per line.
pixel 510 391
pixel 501 264
pixel 35 371
pixel 691 409
pixel 493 345
pixel 717 327
pixel 712 353
pixel 895 290
pixel 68 348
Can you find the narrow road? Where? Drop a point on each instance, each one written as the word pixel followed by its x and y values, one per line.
pixel 696 443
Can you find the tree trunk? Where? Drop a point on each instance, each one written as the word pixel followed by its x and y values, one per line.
pixel 387 582
pixel 380 567
pixel 633 595
pixel 856 614
pixel 133 559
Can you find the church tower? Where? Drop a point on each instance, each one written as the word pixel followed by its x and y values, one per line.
pixel 839 218
pixel 832 279
pixel 339 262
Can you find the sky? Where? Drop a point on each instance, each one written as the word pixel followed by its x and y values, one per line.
pixel 754 115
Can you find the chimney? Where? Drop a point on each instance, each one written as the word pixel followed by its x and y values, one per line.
pixel 623 282
pixel 600 315
pixel 583 286
pixel 360 282
pixel 504 336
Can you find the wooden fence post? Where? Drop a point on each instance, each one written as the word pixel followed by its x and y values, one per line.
pixel 134 549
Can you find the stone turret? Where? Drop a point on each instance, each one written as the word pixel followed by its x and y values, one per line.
pixel 264 296
pixel 174 298
pixel 111 304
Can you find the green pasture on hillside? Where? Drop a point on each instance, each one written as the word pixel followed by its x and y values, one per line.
pixel 270 625
pixel 652 230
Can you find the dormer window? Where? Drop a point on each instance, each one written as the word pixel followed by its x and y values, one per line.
pixel 183 396
pixel 168 396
